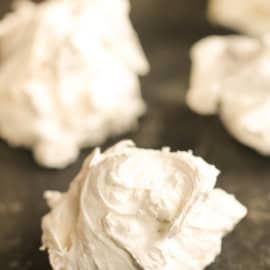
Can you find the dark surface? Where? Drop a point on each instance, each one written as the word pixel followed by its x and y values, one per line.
pixel 167 31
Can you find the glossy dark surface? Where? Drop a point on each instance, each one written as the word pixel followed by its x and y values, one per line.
pixel 167 30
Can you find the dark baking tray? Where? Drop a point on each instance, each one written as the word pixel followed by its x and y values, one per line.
pixel 167 30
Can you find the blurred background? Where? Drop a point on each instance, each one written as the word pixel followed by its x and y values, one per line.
pixel 167 30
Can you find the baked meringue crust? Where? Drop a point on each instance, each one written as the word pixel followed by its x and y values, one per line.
pixel 248 16
pixel 132 208
pixel 77 65
pixel 238 88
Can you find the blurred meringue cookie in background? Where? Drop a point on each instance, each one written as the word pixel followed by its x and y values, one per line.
pixel 68 76
pixel 248 16
pixel 135 209
pixel 231 77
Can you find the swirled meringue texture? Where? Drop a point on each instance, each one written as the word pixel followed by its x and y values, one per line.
pixel 231 77
pixel 247 16
pixel 68 76
pixel 134 209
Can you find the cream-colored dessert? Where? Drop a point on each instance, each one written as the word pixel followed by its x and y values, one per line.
pixel 231 77
pixel 139 209
pixel 248 16
pixel 68 76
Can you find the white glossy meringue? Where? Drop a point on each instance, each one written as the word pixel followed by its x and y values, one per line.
pixel 139 209
pixel 68 76
pixel 231 77
pixel 248 16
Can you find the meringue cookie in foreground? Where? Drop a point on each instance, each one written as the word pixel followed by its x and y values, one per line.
pixel 68 76
pixel 248 16
pixel 230 76
pixel 139 209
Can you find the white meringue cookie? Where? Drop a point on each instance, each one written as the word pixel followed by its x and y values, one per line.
pixel 248 16
pixel 139 209
pixel 68 76
pixel 230 76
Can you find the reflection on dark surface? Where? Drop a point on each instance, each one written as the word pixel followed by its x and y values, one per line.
pixel 167 30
